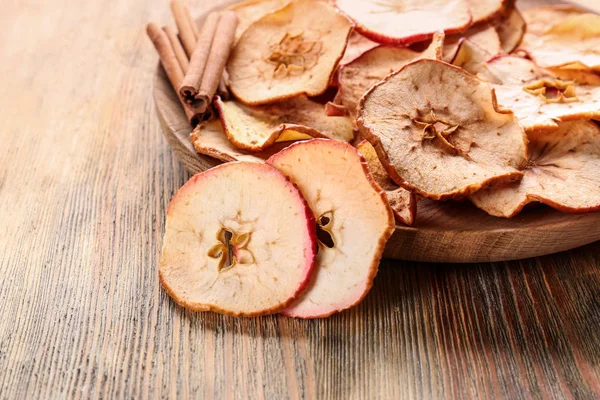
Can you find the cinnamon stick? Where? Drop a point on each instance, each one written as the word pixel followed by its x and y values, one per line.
pixel 217 59
pixel 170 64
pixel 184 25
pixel 193 78
pixel 182 58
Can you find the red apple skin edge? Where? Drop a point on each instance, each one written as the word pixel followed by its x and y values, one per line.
pixel 405 41
pixel 311 237
pixel 391 227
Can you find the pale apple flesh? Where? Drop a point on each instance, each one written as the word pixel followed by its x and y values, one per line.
pixel 209 139
pixel 563 172
pixel 239 240
pixel 355 221
pixel 255 128
pixel 292 51
pixel 408 21
pixel 443 140
pixel 538 97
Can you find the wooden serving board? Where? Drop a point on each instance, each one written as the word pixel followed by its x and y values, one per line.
pixel 444 231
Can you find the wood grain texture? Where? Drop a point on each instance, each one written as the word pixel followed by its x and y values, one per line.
pixel 85 179
pixel 443 232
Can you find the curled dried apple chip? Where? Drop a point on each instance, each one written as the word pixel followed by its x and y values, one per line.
pixel 374 65
pixel 406 21
pixel 239 240
pixel 511 28
pixel 470 57
pixel 294 50
pixel 250 11
pixel 485 10
pixel 538 97
pixel 210 139
pixel 484 37
pixel 559 35
pixel 563 172
pixel 403 202
pixel 446 138
pixel 354 222
pixel 255 128
pixel 357 45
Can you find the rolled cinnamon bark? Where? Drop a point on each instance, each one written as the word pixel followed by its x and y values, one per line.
pixel 217 59
pixel 184 25
pixel 193 78
pixel 174 72
pixel 182 58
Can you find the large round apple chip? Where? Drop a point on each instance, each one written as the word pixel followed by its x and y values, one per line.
pixel 210 139
pixel 539 98
pixel 438 131
pixel 403 202
pixel 559 36
pixel 511 28
pixel 374 65
pixel 255 128
pixel 485 10
pixel 354 223
pixel 250 11
pixel 239 240
pixel 563 172
pixel 406 21
pixel 294 50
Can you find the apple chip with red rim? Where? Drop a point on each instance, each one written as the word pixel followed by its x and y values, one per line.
pixel 210 139
pixel 446 138
pixel 255 128
pixel 511 28
pixel 485 10
pixel 250 11
pixel 563 172
pixel 357 45
pixel 403 202
pixel 239 240
pixel 294 50
pixel 374 65
pixel 354 223
pixel 538 97
pixel 406 21
pixel 560 35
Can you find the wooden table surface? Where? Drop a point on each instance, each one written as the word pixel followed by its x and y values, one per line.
pixel 85 178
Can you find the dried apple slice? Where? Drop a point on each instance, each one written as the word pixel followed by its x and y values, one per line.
pixel 484 37
pixel 485 10
pixel 250 11
pixel 470 57
pixel 406 21
pixel 537 97
pixel 294 50
pixel 561 35
pixel 403 202
pixel 354 223
pixel 210 139
pixel 511 28
pixel 357 45
pixel 446 138
pixel 374 65
pixel 563 172
pixel 240 240
pixel 255 128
